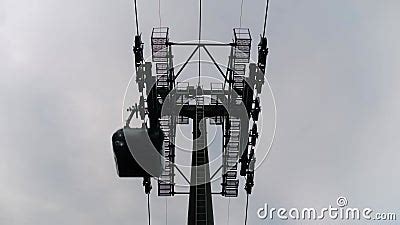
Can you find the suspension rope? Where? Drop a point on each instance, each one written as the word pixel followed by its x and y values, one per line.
pixel 247 209
pixel 148 206
pixel 200 6
pixel 266 17
pixel 166 211
pixel 159 12
pixel 229 208
pixel 137 22
pixel 241 14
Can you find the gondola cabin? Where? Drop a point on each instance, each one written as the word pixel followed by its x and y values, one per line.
pixel 138 152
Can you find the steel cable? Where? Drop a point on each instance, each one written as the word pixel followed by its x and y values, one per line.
pixel 148 206
pixel 247 208
pixel 136 16
pixel 241 14
pixel 266 17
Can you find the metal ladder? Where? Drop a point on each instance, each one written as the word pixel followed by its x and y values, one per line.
pixel 230 157
pixel 241 56
pixel 162 57
pixel 200 200
pixel 166 183
pixel 201 143
pixel 217 90
pixel 182 93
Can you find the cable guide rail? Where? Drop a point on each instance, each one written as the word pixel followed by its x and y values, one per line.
pixel 200 44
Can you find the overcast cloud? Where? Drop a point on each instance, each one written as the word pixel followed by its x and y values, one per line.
pixel 65 65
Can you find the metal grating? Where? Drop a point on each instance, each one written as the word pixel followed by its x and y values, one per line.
pixel 166 183
pixel 241 56
pixel 230 159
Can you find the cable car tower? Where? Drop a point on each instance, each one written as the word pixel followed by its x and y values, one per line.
pixel 234 104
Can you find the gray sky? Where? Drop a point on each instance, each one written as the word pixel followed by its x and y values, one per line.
pixel 333 67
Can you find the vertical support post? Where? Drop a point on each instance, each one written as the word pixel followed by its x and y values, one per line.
pixel 200 200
